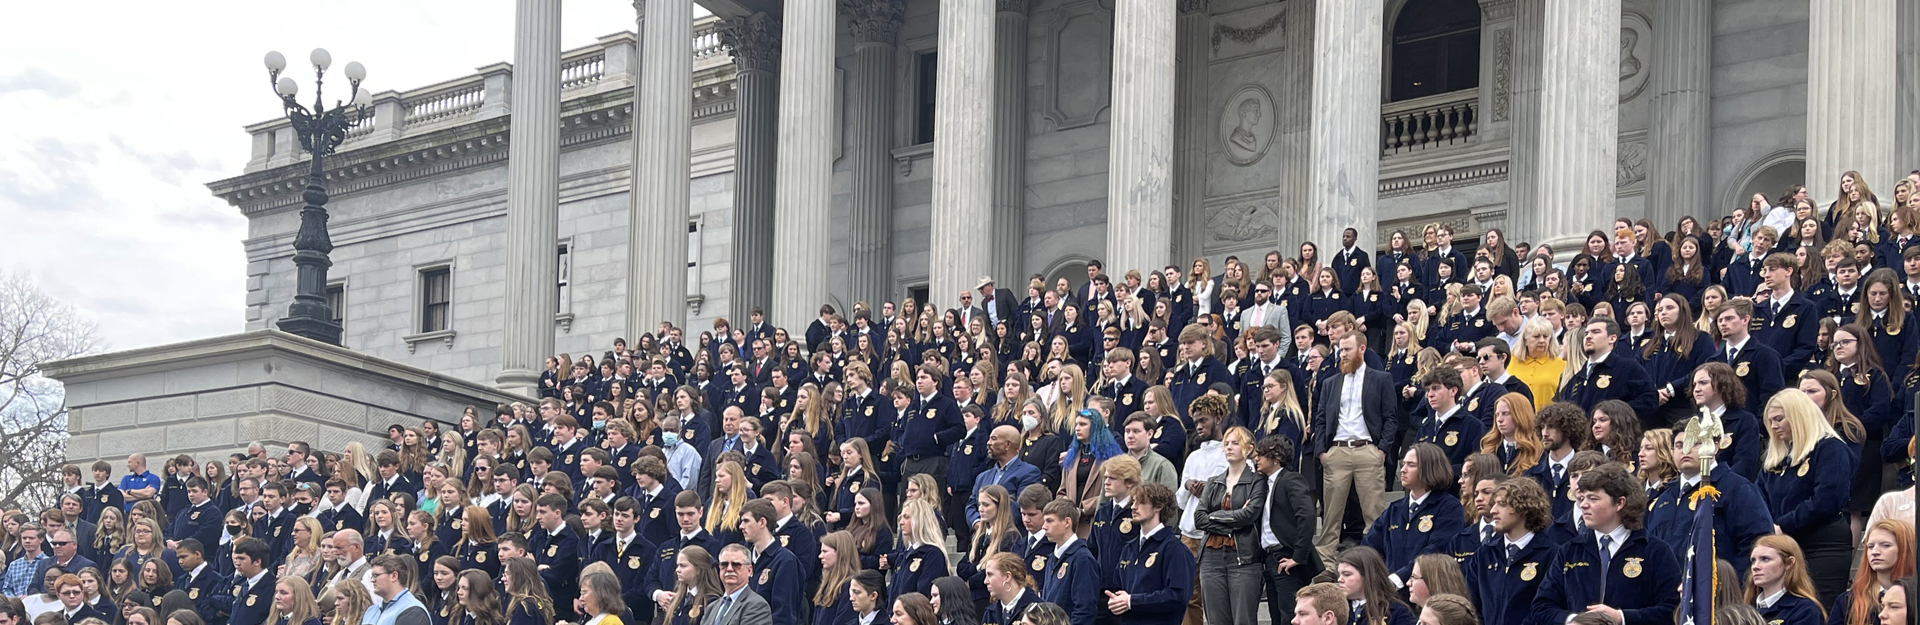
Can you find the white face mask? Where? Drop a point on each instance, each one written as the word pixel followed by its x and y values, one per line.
pixel 1028 422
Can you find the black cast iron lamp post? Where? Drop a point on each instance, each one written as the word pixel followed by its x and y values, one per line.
pixel 320 129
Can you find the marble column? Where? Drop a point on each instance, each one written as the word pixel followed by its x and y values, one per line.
pixel 755 42
pixel 1851 61
pixel 1191 133
pixel 870 94
pixel 533 197
pixel 1906 122
pixel 1579 124
pixel 1345 164
pixel 1680 142
pixel 1523 101
pixel 662 165
pixel 1010 142
pixel 803 202
pixel 1140 151
pixel 959 248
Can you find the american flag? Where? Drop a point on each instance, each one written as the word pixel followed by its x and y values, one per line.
pixel 1698 581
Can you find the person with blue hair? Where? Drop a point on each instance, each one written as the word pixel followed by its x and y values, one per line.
pixel 1092 445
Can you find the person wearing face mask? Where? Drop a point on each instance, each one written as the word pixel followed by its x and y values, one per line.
pixel 683 462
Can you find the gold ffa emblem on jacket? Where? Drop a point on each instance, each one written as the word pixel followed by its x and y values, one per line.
pixel 1632 568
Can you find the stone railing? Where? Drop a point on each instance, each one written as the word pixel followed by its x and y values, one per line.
pixel 1431 122
pixel 608 65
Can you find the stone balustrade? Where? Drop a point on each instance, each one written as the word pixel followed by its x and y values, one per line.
pixel 608 66
pixel 1431 122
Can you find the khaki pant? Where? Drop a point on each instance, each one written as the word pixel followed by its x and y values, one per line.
pixel 1195 615
pixel 1361 470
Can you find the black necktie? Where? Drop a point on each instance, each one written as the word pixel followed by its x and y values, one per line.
pixel 1606 560
pixel 1559 472
pixel 1513 553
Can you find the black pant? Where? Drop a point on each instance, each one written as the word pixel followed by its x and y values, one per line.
pixel 1282 586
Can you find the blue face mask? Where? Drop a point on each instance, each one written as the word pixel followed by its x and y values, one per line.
pixel 599 424
pixel 670 439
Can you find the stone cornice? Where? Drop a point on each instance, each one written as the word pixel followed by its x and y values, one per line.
pixel 480 143
pixel 874 21
pixel 754 41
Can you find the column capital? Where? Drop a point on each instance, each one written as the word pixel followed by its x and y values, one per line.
pixel 754 41
pixel 873 21
pixel 1495 10
pixel 1190 6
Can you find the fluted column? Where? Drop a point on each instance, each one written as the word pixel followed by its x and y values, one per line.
pixel 870 95
pixel 1523 168
pixel 1009 141
pixel 803 204
pixel 1850 95
pixel 1345 162
pixel 1680 140
pixel 1579 124
pixel 533 197
pixel 755 42
pixel 959 246
pixel 1140 152
pixel 1907 104
pixel 1191 132
pixel 662 149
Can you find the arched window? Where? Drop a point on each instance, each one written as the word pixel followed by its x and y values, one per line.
pixel 1436 48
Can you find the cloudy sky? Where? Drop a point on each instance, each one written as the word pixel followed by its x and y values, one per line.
pixel 111 128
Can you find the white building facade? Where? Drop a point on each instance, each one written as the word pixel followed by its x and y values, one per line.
pixel 868 150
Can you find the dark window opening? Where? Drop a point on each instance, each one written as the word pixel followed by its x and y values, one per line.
pixel 924 98
pixel 435 290
pixel 1436 48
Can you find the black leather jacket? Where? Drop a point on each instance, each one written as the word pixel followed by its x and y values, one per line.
pixel 1242 522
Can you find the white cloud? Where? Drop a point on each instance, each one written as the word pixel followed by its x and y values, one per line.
pixel 114 115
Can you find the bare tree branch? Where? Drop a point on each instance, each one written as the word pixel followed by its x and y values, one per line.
pixel 34 329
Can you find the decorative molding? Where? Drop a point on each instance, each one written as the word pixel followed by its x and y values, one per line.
pixel 905 156
pixel 875 21
pixel 1237 223
pixel 414 340
pixel 754 41
pixel 1247 36
pixel 1059 46
pixel 1462 222
pixel 1494 10
pixel 1449 179
pixel 1730 196
pixel 1502 73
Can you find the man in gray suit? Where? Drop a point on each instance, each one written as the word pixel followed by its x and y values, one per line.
pixel 737 604
pixel 1355 423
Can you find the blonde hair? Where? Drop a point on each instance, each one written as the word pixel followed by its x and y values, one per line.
pixel 723 515
pixel 1806 425
pixel 926 527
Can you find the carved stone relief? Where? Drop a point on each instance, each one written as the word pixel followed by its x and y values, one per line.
pixel 1079 84
pixel 1247 125
pixel 1636 47
pixel 1502 74
pixel 1241 222
pixel 1632 168
pixel 1253 31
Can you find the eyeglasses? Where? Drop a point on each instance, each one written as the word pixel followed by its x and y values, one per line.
pixel 1845 342
pixel 733 565
pixel 60 543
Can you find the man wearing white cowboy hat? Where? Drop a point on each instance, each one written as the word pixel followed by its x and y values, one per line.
pixel 998 303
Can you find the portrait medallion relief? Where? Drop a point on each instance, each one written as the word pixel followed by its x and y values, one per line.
pixel 1247 125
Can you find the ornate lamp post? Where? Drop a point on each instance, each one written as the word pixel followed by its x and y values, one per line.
pixel 321 129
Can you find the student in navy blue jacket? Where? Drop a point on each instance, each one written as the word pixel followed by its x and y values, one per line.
pixel 921 556
pixel 791 527
pixel 556 549
pixel 1614 569
pixel 777 575
pixel 1806 477
pixel 866 414
pixel 1779 587
pixel 1153 580
pixel 1424 521
pixel 249 597
pixel 201 519
pixel 1009 589
pixel 1717 387
pixel 653 494
pixel 1197 369
pixel 1786 320
pixel 658 584
pixel 1758 366
pixel 1071 573
pixel 1670 361
pixel 966 459
pixel 1888 315
pixel 1448 425
pixel 1740 515
pixel 1609 374
pixel 1363 576
pixel 1504 574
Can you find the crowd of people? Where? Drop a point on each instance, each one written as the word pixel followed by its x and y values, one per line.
pixel 1419 435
